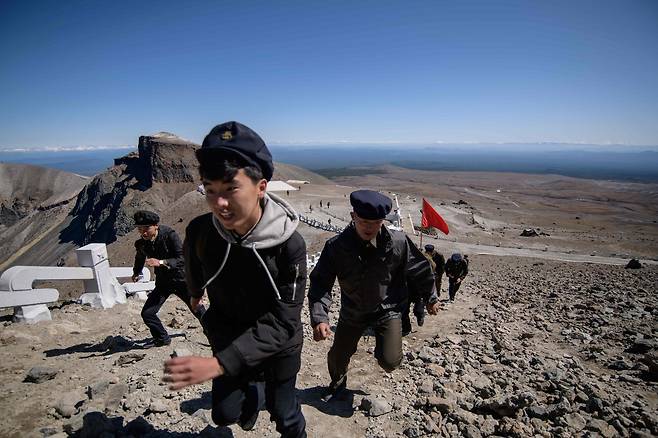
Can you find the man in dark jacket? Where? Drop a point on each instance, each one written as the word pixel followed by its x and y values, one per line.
pixel 160 248
pixel 251 260
pixel 456 269
pixel 375 268
pixel 438 266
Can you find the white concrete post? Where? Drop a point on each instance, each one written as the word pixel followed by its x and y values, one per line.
pixel 104 290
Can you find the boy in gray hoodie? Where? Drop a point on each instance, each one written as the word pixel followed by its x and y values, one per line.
pixel 251 260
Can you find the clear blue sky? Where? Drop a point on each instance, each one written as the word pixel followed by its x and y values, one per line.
pixel 103 73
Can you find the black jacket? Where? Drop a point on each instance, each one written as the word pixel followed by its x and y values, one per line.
pixel 457 269
pixel 255 286
pixel 371 279
pixel 167 246
pixel 439 263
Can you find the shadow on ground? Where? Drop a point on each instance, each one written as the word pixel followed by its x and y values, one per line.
pixel 96 424
pixel 110 345
pixel 341 406
pixel 203 402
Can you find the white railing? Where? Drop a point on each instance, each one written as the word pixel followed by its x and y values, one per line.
pixel 101 284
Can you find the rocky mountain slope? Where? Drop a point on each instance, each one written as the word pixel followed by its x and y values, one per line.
pixel 529 348
pixel 33 200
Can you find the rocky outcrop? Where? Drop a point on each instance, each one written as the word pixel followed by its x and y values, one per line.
pixel 105 206
pixel 166 158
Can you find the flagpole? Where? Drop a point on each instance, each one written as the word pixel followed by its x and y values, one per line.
pixel 420 245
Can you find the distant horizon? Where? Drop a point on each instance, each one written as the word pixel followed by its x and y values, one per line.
pixel 602 163
pixel 367 144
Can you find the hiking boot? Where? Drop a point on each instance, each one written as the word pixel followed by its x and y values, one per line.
pixel 335 390
pixel 420 319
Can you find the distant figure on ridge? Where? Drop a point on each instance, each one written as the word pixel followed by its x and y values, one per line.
pixel 374 265
pixel 456 269
pixel 248 256
pixel 160 248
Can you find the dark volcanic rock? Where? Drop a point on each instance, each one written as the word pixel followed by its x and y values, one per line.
pixel 529 232
pixel 167 158
pixel 634 264
pixel 40 374
pixel 104 208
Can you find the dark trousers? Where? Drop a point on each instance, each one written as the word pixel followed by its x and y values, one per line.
pixel 235 398
pixel 388 344
pixel 419 312
pixel 453 287
pixel 154 302
pixel 437 282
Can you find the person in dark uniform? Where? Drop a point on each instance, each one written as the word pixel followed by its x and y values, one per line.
pixel 375 268
pixel 436 262
pixel 248 256
pixel 438 265
pixel 456 269
pixel 160 248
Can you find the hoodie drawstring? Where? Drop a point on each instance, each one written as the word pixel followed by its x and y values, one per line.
pixel 228 249
pixel 276 290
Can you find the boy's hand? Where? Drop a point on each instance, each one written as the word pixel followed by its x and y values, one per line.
pixel 194 303
pixel 321 331
pixel 433 309
pixel 152 262
pixel 191 370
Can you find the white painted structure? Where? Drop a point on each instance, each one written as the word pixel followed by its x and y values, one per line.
pixel 101 285
pixel 279 186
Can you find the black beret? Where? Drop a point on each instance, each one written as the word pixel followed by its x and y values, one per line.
pixel 236 139
pixel 429 247
pixel 369 204
pixel 144 217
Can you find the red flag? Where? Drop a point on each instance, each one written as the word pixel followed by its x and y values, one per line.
pixel 431 218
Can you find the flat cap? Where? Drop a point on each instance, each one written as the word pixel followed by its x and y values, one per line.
pixel 368 204
pixel 237 140
pixel 145 217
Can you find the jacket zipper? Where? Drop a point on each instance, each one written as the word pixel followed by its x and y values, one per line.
pixel 294 283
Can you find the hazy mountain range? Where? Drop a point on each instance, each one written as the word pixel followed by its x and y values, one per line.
pixel 613 162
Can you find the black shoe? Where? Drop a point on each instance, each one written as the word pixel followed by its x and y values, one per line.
pixel 249 423
pixel 156 343
pixel 335 390
pixel 406 331
pixel 420 320
pixel 251 408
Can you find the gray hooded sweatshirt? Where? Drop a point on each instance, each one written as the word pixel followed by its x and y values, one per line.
pixel 255 285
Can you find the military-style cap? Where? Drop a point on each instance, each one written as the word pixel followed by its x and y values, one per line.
pixel 369 204
pixel 145 217
pixel 237 140
pixel 429 247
